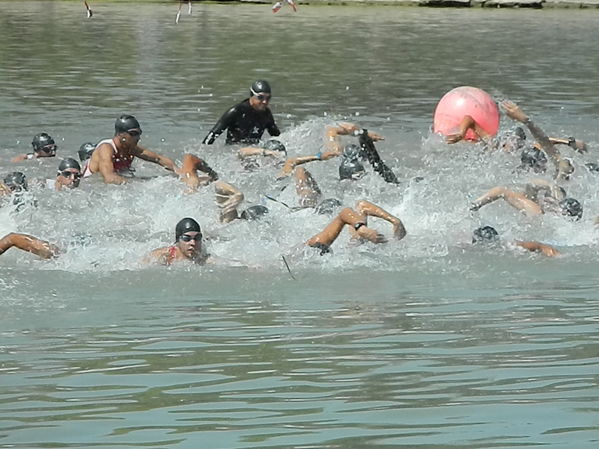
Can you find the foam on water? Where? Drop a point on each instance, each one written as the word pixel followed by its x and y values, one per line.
pixel 107 228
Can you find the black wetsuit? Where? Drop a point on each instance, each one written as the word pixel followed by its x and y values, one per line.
pixel 243 124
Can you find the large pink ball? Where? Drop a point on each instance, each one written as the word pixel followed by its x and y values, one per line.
pixel 466 100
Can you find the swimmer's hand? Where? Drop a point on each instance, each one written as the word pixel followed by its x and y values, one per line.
pixel 399 231
pixel 475 206
pixel 514 112
pixel 371 235
pixel 375 137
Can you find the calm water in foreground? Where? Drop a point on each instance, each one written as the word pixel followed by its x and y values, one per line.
pixel 425 343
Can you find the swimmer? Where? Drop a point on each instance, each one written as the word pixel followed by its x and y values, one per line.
pixel 188 247
pixel 350 166
pixel 488 235
pixel 531 203
pixel 189 172
pixel 228 198
pixel 15 188
pixel 68 176
pixel 278 5
pixel 85 151
pixel 43 146
pixel 357 221
pixel 247 121
pixel 29 244
pixel 13 183
pixel 272 149
pixel 113 157
pixel 563 166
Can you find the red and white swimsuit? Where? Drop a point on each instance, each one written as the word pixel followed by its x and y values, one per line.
pixel 119 163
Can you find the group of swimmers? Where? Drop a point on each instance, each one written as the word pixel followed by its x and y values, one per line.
pixel 245 123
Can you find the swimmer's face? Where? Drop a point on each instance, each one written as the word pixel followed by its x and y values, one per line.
pixel 69 178
pixel 130 139
pixel 260 101
pixel 46 151
pixel 190 244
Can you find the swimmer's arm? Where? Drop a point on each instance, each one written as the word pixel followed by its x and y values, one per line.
pixel 293 162
pixel 538 247
pixel 189 168
pixel 347 129
pixel 30 244
pixel 150 156
pixel 514 112
pixel 272 127
pixel 223 123
pixel 104 156
pixel 466 124
pixel 228 198
pixel 577 145
pixel 246 152
pixel 372 210
pixel 22 157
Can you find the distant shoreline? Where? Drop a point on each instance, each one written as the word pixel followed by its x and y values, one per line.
pixel 514 4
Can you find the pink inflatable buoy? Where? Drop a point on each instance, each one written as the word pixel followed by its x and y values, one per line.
pixel 462 101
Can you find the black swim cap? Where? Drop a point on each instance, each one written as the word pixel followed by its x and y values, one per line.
pixel 519 132
pixel 260 87
pixel 351 169
pixel 352 152
pixel 533 158
pixel 42 140
pixel 327 206
pixel 484 234
pixel 254 212
pixel 571 207
pixel 274 145
pixel 186 225
pixel 126 123
pixel 68 163
pixel 16 181
pixel 85 151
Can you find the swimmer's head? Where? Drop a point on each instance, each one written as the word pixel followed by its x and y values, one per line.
pixel 515 140
pixel 351 152
pixel 16 181
pixel 274 145
pixel 571 208
pixel 519 133
pixel 85 151
pixel 127 124
pixel 69 163
pixel 533 158
pixel 44 145
pixel 260 87
pixel 485 234
pixel 260 95
pixel 254 212
pixel 186 225
pixel 69 173
pixel 351 169
pixel 328 206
